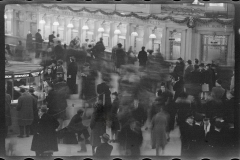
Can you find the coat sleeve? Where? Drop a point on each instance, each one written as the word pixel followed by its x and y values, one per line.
pixel 92 123
pixel 19 106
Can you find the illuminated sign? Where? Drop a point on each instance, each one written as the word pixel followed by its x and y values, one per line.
pixel 21 75
pixel 35 74
pixel 8 76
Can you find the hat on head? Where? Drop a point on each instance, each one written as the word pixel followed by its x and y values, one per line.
pixel 213 65
pixel 115 93
pixel 163 84
pixel 180 59
pixel 79 111
pixel 44 108
pixel 39 30
pixel 189 62
pixel 198 117
pixel 105 137
pixel 189 116
pixel 208 65
pixel 219 124
pixel 86 65
pixel 219 81
pixel 31 89
pixel 201 65
pixel 22 90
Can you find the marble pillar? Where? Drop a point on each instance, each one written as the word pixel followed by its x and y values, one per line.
pixel 163 43
pixel 167 44
pixel 128 36
pixel 183 45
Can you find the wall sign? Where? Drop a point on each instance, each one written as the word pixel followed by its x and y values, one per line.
pixel 21 75
pixel 8 76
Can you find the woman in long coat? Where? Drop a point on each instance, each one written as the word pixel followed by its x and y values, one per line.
pixel 159 130
pixel 97 125
pixel 45 137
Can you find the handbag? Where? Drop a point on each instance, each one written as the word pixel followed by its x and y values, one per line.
pixel 205 87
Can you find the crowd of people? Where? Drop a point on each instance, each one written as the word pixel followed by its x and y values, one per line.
pixel 194 100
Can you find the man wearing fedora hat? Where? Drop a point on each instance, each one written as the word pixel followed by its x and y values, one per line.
pixel 38 42
pixel 44 141
pixel 72 74
pixel 104 149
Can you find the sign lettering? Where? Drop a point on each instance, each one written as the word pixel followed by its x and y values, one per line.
pixel 21 75
pixel 8 76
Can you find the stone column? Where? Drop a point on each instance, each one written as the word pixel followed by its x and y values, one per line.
pixel 146 37
pixel 128 36
pixel 68 31
pixel 189 43
pixel 230 51
pixel 163 42
pixel 183 45
pixel 96 34
pixel 82 33
pixel 167 44
pixel 111 35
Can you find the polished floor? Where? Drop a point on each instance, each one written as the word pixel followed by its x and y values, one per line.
pixel 21 146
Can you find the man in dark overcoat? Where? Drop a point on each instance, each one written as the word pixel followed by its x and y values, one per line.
pixel 104 94
pixel 50 38
pixel 38 42
pixel 72 75
pixel 25 108
pixel 58 51
pixel 143 58
pixel 45 138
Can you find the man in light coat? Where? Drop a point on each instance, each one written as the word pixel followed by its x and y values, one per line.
pixel 25 108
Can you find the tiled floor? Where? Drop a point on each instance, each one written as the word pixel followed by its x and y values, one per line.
pixel 22 146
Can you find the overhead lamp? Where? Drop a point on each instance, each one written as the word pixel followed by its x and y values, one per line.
pixel 56 23
pixel 153 36
pixel 42 21
pixel 117 31
pixel 101 29
pixel 85 27
pixel 70 25
pixel 134 33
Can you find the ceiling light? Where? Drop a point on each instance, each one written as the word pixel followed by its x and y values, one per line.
pixel 152 36
pixel 117 31
pixel 42 21
pixel 101 29
pixel 134 34
pixel 70 25
pixel 56 23
pixel 85 27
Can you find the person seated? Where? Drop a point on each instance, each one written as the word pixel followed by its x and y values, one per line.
pixel 104 149
pixel 76 126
